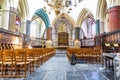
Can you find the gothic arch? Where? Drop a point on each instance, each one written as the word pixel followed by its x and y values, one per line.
pixel 23 9
pixel 43 15
pixel 101 9
pixel 66 16
pixel 83 15
pixel 101 14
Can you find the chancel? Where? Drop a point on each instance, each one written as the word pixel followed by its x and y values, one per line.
pixel 59 40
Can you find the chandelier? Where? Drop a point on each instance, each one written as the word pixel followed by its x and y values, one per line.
pixel 61 6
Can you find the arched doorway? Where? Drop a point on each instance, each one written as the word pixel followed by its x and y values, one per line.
pixel 62 35
pixel 64 27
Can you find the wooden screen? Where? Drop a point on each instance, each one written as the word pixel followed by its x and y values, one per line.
pixel 63 39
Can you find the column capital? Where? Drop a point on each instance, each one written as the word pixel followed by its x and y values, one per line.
pixel 13 10
pixel 76 27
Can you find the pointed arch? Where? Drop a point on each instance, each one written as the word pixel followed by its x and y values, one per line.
pixel 101 9
pixel 41 13
pixel 66 16
pixel 83 15
pixel 23 8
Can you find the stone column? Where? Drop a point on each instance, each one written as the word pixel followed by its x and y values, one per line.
pixel 81 33
pixel 114 18
pixel 73 34
pixel 97 24
pixel 23 27
pixel 12 19
pixel 5 14
pixel 101 27
pixel 49 33
pixel 77 31
pixel 49 37
pixel 77 42
pixel 89 30
pixel 28 22
pixel 0 18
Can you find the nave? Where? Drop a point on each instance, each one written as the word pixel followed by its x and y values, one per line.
pixel 59 68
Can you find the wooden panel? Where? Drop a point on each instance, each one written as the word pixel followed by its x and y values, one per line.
pixel 63 39
pixel 90 42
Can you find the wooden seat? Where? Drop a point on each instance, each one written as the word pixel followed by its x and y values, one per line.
pixel 8 64
pixel 93 56
pixel 33 56
pixel 69 52
pixel 87 54
pixel 98 55
pixel 23 65
pixel 17 63
pixel 1 63
pixel 79 55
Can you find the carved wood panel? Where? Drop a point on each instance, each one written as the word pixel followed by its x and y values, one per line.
pixel 63 39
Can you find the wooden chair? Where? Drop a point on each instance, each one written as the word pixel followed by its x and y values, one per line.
pixel 8 63
pixel 42 52
pixel 69 52
pixel 1 63
pixel 39 54
pixel 86 54
pixel 98 55
pixel 23 65
pixel 79 55
pixel 33 56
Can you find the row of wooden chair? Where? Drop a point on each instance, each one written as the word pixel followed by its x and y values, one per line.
pixel 88 54
pixel 22 62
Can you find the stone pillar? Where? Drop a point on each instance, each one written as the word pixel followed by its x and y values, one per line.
pixel 114 18
pixel 28 22
pixel 97 24
pixel 77 42
pixel 89 30
pixel 73 34
pixel 49 33
pixel 77 31
pixel 81 34
pixel 23 27
pixel 49 37
pixel 5 14
pixel 12 19
pixel 0 18
pixel 101 27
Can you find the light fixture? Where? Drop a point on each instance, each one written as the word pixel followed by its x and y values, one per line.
pixel 44 7
pixel 70 8
pixel 68 11
pixel 60 6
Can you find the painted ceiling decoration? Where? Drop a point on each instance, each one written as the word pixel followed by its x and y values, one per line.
pixel 43 15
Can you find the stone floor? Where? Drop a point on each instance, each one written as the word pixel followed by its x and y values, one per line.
pixel 59 68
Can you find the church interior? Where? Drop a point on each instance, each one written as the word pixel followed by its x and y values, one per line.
pixel 59 40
